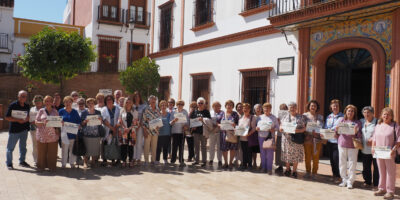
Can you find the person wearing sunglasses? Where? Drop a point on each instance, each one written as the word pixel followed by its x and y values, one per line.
pixel 18 129
pixel 200 141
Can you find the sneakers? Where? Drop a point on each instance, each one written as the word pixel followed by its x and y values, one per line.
pixel 380 193
pixel 343 184
pixel 349 186
pixel 389 195
pixel 24 164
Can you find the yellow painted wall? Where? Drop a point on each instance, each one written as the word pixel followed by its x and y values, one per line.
pixel 27 27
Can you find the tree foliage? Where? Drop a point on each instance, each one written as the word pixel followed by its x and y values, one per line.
pixel 141 76
pixel 54 55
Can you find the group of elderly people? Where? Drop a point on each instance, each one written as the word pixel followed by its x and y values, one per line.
pixel 241 131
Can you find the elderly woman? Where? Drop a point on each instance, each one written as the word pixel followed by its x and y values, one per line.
pixel 267 155
pixel 200 141
pixel 278 148
pixel 331 122
pixel 138 106
pixel 177 132
pixel 347 152
pixel 121 102
pixel 292 152
pixel 70 115
pixel 249 121
pixel 46 137
pixel 75 98
pixel 109 113
pixel 164 138
pixel 387 135
pixel 312 141
pixel 151 135
pixel 227 146
pixel 128 120
pixel 38 102
pixel 81 106
pixel 189 136
pixel 369 123
pixel 214 137
pixel 100 101
pixel 91 134
pixel 252 138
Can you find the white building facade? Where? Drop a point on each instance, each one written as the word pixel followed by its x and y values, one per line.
pixel 107 22
pixel 223 50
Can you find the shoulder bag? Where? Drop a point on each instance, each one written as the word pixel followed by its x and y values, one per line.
pixel 268 142
pixel 297 138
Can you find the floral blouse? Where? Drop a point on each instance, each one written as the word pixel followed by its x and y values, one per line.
pixel 319 119
pixel 300 120
pixel 148 115
pixel 46 134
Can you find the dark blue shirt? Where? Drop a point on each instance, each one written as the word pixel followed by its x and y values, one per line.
pixel 72 117
pixel 16 127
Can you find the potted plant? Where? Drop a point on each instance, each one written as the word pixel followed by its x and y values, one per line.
pixel 109 58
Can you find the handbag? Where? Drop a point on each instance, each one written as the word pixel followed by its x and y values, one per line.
pixel 112 151
pixel 297 138
pixel 357 143
pixel 79 148
pixel 397 157
pixel 230 137
pixel 268 143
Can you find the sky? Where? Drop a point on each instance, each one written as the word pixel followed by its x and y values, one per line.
pixel 44 10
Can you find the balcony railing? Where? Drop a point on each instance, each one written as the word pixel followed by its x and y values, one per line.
pixel 3 41
pixel 253 4
pixel 139 17
pixel 113 14
pixel 7 3
pixel 94 67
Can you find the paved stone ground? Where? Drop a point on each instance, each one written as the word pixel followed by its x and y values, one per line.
pixel 164 182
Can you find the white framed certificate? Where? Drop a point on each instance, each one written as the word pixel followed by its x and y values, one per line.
pixel 155 123
pixel 32 116
pixel 241 131
pixel 327 134
pixel 195 123
pixel 282 114
pixel 106 91
pixel 346 128
pixel 19 114
pixel 264 125
pixel 93 120
pixel 54 121
pixel 313 126
pixel 227 125
pixel 181 117
pixel 71 127
pixel 289 127
pixel 382 153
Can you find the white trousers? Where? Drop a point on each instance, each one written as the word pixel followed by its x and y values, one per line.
pixel 34 145
pixel 214 139
pixel 347 164
pixel 67 151
pixel 138 149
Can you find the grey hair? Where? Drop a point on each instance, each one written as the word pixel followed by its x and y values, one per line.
pixel 81 99
pixel 201 99
pixel 152 97
pixel 115 92
pixel 292 103
pixel 255 107
pixel 369 108
pixel 74 92
pixel 22 92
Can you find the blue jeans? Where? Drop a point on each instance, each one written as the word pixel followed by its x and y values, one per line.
pixel 12 141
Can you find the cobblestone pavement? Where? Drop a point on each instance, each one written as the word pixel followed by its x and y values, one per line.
pixel 165 182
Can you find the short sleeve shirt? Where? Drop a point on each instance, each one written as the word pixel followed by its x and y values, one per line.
pixel 16 127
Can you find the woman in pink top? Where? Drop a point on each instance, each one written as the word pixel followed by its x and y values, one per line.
pixel 347 152
pixel 47 137
pixel 384 137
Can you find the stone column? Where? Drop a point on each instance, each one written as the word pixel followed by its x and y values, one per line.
pixel 395 71
pixel 304 63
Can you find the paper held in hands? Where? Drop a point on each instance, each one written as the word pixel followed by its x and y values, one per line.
pixel 93 120
pixel 19 114
pixel 289 127
pixel 313 126
pixel 181 117
pixel 155 123
pixel 226 125
pixel 327 134
pixel 264 125
pixel 195 123
pixel 54 121
pixel 71 127
pixel 346 129
pixel 32 116
pixel 382 153
pixel 241 131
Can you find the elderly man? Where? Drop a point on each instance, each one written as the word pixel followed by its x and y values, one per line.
pixel 18 116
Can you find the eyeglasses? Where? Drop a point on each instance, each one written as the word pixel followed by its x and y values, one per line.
pixel 179 104
pixel 74 95
pixel 200 103
pixel 23 96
